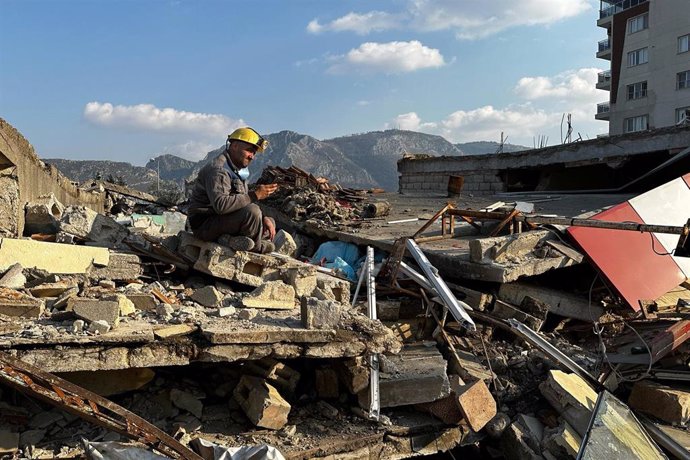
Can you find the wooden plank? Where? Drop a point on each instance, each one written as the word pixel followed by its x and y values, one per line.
pixel 670 299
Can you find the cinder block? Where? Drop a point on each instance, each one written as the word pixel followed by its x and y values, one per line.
pixel 664 402
pixel 262 403
pixel 320 314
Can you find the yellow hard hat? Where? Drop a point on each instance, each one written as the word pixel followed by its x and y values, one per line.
pixel 249 136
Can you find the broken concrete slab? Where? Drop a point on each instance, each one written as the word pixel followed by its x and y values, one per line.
pixel 177 330
pixel 99 326
pixel 320 314
pixel 15 303
pixel 667 403
pixel 111 382
pixel 13 278
pixel 95 310
pixel 262 403
pixel 127 307
pixel 187 401
pixel 559 302
pixel 571 396
pixel 121 266
pixel 42 215
pixel 562 441
pixel 92 226
pixel 208 296
pixel 416 375
pixel 52 289
pixel 504 310
pixel 507 248
pixel 272 331
pixel 52 257
pixel 271 295
pixel 515 446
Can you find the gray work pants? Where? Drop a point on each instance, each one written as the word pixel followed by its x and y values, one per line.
pixel 245 222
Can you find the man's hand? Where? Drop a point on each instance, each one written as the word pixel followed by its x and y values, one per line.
pixel 269 227
pixel 265 190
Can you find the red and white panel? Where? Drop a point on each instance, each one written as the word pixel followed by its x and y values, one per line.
pixel 626 258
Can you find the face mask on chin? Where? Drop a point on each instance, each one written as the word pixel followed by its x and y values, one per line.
pixel 243 173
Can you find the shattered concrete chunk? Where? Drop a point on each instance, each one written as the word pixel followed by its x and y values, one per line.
pixel 226 311
pixel 664 402
pixel 42 215
pixel 176 330
pixel 120 267
pixel 143 302
pixel 187 401
pixel 476 402
pixel 99 327
pixel 52 289
pixel 107 284
pixel 262 403
pixel 271 295
pixel 92 226
pixel 207 296
pixel 78 326
pixel 571 396
pixel 562 441
pixel 276 372
pixel 165 311
pixel 127 307
pixel 95 310
pixel 9 442
pixel 13 278
pixel 514 444
pixel 284 243
pixel 320 314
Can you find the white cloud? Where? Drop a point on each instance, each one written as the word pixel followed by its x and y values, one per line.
pixel 568 92
pixel 392 57
pixel 148 117
pixel 361 24
pixel 363 103
pixel 576 85
pixel 470 19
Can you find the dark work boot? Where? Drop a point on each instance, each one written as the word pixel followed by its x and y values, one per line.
pixel 238 243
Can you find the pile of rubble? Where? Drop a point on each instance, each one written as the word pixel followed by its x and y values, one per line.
pixel 125 332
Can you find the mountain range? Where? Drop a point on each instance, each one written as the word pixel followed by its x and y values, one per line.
pixel 359 160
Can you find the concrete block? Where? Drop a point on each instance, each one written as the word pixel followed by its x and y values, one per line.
pixel 14 278
pixel 334 288
pixel 416 375
pixel 571 396
pixel 562 441
pixel 285 244
pixel 144 302
pixel 95 310
pixel 354 373
pixel 664 402
pixel 92 226
pixel 559 302
pixel 207 296
pixel 226 311
pixel 320 314
pixel 52 257
pixel 127 307
pixel 275 372
pixel 187 401
pixel 262 403
pixel 476 403
pixel 303 280
pixel 99 327
pixel 247 314
pixel 78 326
pixel 271 295
pixel 42 215
pixel 326 383
pixel 15 303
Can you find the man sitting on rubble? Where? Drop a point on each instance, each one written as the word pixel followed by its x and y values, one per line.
pixel 221 207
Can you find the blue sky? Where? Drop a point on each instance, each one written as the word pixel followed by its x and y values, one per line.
pixel 128 80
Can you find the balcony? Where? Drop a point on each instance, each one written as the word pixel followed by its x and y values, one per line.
pixel 604 49
pixel 610 7
pixel 603 111
pixel 604 80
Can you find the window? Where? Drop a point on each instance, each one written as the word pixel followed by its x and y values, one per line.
pixel 637 57
pixel 638 23
pixel 637 90
pixel 684 44
pixel 683 115
pixel 683 80
pixel 636 123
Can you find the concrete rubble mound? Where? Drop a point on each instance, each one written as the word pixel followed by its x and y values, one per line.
pixel 473 327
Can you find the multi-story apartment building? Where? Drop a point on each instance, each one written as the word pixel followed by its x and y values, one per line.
pixel 648 44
